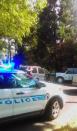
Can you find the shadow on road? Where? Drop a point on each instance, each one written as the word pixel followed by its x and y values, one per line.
pixel 34 124
pixel 71 92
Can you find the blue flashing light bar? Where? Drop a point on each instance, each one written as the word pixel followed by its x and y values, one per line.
pixel 6 67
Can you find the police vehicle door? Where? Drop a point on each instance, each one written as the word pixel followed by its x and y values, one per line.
pixel 29 98
pixel 69 75
pixel 6 103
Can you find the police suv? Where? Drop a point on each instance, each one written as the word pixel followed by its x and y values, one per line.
pixel 22 96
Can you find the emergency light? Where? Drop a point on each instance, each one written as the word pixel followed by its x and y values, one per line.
pixel 6 67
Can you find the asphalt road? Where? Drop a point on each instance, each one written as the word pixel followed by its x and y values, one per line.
pixel 68 113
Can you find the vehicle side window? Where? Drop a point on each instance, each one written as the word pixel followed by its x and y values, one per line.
pixel 34 70
pixel 41 70
pixel 69 72
pixel 6 81
pixel 32 84
pixel 20 82
pixel 75 71
pixel 42 84
pixel 1 81
pixel 29 84
pixel 35 84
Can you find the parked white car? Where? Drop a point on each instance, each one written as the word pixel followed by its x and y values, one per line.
pixel 21 96
pixel 66 76
pixel 36 71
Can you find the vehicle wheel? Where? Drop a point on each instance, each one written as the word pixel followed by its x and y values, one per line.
pixel 53 109
pixel 60 80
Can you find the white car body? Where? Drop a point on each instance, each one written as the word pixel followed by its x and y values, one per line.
pixel 65 76
pixel 36 71
pixel 17 100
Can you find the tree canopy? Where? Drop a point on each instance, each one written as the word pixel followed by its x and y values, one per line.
pixel 68 20
pixel 57 23
pixel 16 18
pixel 49 29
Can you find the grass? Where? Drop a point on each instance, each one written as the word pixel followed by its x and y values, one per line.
pixel 66 128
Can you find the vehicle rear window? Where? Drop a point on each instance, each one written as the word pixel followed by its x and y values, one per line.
pixel 75 71
pixel 70 71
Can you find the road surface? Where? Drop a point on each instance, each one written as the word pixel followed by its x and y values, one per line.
pixel 67 115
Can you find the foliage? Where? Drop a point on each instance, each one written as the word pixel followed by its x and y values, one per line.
pixel 47 26
pixel 31 39
pixel 67 20
pixel 67 128
pixel 39 25
pixel 2 45
pixel 46 34
pixel 53 26
pixel 16 18
pixel 40 5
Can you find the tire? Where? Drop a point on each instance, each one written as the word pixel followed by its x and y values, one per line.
pixel 53 109
pixel 60 80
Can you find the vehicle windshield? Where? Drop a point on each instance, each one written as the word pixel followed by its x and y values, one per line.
pixel 16 80
pixel 23 80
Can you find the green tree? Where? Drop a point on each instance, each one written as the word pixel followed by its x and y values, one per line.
pixel 2 44
pixel 46 34
pixel 52 26
pixel 31 39
pixel 16 18
pixel 68 20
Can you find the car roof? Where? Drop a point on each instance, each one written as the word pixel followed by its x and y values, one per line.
pixel 72 68
pixel 29 66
